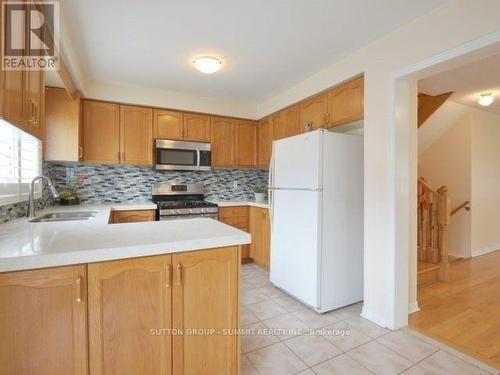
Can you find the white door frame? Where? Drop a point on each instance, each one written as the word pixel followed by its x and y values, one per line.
pixel 406 158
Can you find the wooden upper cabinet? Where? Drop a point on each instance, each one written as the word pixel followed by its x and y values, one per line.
pixel 246 144
pixel 346 102
pixel 15 105
pixel 14 84
pixel 62 126
pixel 279 129
pixel 101 129
pixel 127 299
pixel 265 143
pixel 136 135
pixel 291 118
pixel 35 84
pixel 205 295
pixel 167 124
pixel 315 111
pixel 43 320
pixel 223 142
pixel 196 127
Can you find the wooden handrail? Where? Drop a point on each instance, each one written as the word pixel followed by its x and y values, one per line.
pixel 463 205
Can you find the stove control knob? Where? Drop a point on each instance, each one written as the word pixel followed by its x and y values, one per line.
pixel 177 211
pixel 190 211
pixel 203 210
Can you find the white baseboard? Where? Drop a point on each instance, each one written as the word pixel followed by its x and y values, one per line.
pixel 374 317
pixel 413 307
pixel 485 250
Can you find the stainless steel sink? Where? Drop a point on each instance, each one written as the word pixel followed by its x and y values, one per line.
pixel 64 216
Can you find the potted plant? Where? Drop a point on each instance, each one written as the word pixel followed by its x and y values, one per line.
pixel 69 197
pixel 260 193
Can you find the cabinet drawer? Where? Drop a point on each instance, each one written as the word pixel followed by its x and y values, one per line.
pixel 237 222
pixel 132 216
pixel 238 211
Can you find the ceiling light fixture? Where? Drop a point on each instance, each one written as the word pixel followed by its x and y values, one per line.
pixel 207 64
pixel 486 99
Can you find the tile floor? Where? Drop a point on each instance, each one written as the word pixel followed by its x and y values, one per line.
pixel 285 337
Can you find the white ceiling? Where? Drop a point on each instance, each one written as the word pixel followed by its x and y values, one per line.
pixel 468 82
pixel 267 45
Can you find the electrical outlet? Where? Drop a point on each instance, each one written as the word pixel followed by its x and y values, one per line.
pixel 235 184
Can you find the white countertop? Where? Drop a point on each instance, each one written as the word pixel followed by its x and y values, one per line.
pixel 26 245
pixel 236 202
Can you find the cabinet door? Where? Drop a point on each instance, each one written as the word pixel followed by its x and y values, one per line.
pixel 43 320
pixel 196 127
pixel 246 144
pixel 137 216
pixel 291 118
pixel 62 125
pixel 346 102
pixel 223 142
pixel 130 315
pixel 34 91
pixel 15 102
pixel 260 231
pixel 279 129
pixel 136 135
pixel 315 111
pixel 205 296
pixel 35 80
pixel 14 83
pixel 167 124
pixel 265 144
pixel 101 132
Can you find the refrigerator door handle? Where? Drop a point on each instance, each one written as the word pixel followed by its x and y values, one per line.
pixel 270 189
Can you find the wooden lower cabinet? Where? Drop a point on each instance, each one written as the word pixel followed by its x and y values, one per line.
pixel 237 217
pixel 43 321
pixel 205 297
pixel 155 315
pixel 260 230
pixel 135 216
pixel 127 300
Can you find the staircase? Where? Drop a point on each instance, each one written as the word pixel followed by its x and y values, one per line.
pixel 432 240
pixel 427 273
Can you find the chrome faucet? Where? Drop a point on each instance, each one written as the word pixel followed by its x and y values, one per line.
pixel 53 192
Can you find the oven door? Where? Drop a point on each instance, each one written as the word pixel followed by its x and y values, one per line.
pixel 178 155
pixel 212 215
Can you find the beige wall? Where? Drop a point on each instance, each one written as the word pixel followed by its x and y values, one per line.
pixel 448 162
pixel 485 182
pixel 466 158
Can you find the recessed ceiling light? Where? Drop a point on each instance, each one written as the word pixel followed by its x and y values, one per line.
pixel 207 64
pixel 486 99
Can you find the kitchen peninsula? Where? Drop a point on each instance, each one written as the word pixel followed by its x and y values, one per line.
pixel 94 292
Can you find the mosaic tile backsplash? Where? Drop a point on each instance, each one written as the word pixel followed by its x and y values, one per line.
pixel 117 184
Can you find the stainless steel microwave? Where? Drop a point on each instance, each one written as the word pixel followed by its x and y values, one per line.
pixel 182 156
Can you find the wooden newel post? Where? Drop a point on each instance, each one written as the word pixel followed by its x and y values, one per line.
pixel 444 224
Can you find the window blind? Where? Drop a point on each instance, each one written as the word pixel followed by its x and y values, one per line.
pixel 20 162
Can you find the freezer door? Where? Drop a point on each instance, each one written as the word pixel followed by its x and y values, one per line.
pixel 295 244
pixel 297 162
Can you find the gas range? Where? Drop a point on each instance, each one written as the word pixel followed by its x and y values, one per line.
pixel 182 201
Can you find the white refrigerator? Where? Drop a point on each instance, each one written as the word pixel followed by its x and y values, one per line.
pixel 316 214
